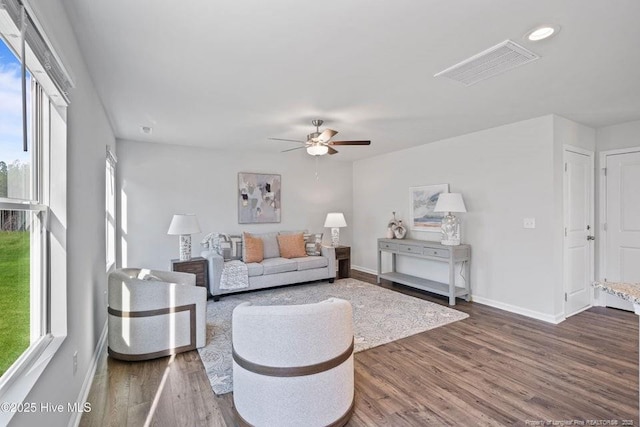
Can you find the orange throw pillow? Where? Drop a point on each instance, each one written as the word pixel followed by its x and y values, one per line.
pixel 291 245
pixel 254 248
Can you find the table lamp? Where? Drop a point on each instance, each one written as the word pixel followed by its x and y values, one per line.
pixel 184 225
pixel 450 202
pixel 335 220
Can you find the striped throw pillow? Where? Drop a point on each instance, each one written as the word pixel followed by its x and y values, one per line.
pixel 313 243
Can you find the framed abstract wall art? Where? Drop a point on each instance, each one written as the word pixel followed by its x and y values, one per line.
pixel 259 198
pixel 423 201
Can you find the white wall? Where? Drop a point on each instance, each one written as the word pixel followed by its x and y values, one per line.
pixel 158 180
pixel 88 133
pixel 623 135
pixel 504 174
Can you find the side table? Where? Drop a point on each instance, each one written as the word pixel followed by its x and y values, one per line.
pixel 343 256
pixel 197 266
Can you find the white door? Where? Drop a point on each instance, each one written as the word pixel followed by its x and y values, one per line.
pixel 622 247
pixel 578 223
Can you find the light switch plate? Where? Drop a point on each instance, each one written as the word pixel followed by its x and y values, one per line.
pixel 529 223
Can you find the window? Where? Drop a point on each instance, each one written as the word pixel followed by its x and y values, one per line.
pixel 21 215
pixel 33 94
pixel 110 209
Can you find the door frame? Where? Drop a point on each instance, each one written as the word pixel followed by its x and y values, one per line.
pixel 591 154
pixel 602 213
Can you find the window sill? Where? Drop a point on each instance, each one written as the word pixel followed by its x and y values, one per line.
pixel 17 386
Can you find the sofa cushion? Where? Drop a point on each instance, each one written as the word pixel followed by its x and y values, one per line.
pixel 311 262
pixel 278 265
pixel 235 250
pixel 270 244
pixel 253 248
pixel 292 245
pixel 287 232
pixel 313 243
pixel 255 269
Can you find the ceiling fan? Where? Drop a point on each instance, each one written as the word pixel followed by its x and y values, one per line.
pixel 320 143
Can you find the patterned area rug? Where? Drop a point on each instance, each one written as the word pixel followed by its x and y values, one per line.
pixel 380 316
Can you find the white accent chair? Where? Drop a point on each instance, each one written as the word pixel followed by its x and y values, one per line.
pixel 293 365
pixel 155 313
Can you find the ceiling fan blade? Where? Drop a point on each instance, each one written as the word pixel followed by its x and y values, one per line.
pixel 326 135
pixel 290 140
pixel 291 149
pixel 332 151
pixel 350 143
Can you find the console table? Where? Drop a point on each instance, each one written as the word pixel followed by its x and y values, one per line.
pixel 433 251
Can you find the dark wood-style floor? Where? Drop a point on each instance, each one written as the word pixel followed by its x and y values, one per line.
pixel 494 368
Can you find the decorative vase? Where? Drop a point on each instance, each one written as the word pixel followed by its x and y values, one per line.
pixel 391 227
pixel 400 231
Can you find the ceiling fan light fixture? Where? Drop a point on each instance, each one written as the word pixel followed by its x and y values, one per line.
pixel 317 149
pixel 319 143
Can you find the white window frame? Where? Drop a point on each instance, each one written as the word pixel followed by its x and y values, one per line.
pixel 40 331
pixel 110 209
pixel 49 309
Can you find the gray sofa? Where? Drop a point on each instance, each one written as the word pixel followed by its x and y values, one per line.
pixel 274 271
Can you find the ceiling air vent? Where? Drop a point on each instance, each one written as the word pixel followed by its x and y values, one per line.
pixel 493 61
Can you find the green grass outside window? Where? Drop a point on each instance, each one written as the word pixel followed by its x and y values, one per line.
pixel 14 296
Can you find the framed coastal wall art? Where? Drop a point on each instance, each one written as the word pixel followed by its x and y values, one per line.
pixel 259 198
pixel 423 201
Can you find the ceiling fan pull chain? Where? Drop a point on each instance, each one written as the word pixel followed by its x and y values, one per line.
pixel 317 175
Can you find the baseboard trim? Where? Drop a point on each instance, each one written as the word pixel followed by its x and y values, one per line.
pixel 364 270
pixel 88 379
pixel 549 318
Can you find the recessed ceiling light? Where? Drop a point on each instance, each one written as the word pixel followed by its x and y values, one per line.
pixel 542 32
pixel 146 130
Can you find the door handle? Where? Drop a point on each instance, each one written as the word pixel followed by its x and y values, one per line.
pixel 591 237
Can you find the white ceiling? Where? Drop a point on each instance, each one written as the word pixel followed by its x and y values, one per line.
pixel 227 74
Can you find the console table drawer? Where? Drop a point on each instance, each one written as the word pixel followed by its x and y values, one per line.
pixel 440 253
pixel 389 246
pixel 410 249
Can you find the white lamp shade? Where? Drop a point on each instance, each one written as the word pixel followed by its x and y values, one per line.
pixel 335 220
pixel 184 224
pixel 450 202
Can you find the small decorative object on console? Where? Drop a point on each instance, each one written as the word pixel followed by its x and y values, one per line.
pixel 390 234
pixel 399 232
pixel 395 229
pixel 393 223
pixel 450 202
